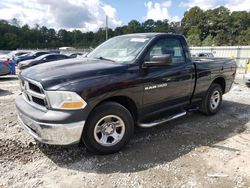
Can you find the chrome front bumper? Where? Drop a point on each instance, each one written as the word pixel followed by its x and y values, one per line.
pixel 55 134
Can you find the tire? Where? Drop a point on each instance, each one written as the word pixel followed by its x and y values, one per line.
pixel 108 129
pixel 212 101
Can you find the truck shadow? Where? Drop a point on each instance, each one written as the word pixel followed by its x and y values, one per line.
pixel 8 78
pixel 5 92
pixel 158 145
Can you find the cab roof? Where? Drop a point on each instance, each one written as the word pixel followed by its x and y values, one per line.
pixel 150 35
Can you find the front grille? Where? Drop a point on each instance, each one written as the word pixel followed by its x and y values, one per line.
pixel 38 101
pixel 33 92
pixel 35 88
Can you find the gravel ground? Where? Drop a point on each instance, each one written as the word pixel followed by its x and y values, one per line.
pixel 195 151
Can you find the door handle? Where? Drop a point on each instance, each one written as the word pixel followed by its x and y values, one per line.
pixel 166 79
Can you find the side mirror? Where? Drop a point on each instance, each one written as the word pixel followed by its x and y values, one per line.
pixel 44 59
pixel 159 60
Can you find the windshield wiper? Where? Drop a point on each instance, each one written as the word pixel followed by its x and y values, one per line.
pixel 106 59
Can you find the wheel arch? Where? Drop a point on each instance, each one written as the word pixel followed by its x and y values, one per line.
pixel 125 101
pixel 222 82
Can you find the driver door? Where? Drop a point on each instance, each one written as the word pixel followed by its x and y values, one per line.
pixel 167 86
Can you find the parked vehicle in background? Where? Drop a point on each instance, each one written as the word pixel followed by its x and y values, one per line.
pixel 84 55
pixel 54 51
pixel 20 54
pixel 41 59
pixel 12 55
pixel 31 55
pixel 4 68
pixel 203 55
pixel 74 55
pixel 138 79
pixel 7 67
pixel 65 48
pixel 247 75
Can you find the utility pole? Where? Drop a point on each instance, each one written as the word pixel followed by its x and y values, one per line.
pixel 106 27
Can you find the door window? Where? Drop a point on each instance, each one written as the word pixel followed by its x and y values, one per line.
pixel 169 46
pixel 50 57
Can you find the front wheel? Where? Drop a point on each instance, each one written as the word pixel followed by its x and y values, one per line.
pixel 108 128
pixel 212 102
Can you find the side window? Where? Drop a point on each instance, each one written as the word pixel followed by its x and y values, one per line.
pixel 169 46
pixel 50 57
pixel 59 57
pixel 39 54
pixel 42 53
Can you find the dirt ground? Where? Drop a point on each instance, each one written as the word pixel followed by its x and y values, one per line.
pixel 195 151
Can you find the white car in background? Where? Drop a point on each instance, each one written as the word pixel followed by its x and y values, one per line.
pixel 203 55
pixel 11 55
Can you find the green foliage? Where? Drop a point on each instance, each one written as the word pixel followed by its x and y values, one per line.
pixel 208 41
pixel 194 40
pixel 10 40
pixel 244 37
pixel 195 17
pixel 218 26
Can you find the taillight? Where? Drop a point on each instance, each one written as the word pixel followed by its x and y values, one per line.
pixel 6 62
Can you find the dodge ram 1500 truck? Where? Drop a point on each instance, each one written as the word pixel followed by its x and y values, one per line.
pixel 131 80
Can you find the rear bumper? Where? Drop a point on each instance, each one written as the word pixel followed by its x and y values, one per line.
pixel 50 127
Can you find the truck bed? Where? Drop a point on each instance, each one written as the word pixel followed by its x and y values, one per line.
pixel 208 69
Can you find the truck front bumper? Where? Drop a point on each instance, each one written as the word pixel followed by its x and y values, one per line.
pixel 50 127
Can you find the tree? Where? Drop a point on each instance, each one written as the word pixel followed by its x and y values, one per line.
pixel 208 41
pixel 195 17
pixel 15 22
pixel 194 40
pixel 134 27
pixel 218 23
pixel 217 26
pixel 149 25
pixel 119 30
pixel 175 27
pixel 244 37
pixel 162 26
pixel 194 36
pixel 10 41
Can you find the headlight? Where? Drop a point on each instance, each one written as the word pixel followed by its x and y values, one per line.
pixel 65 100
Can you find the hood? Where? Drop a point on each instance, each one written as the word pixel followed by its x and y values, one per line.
pixel 58 73
pixel 26 62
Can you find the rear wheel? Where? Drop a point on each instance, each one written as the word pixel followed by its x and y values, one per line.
pixel 212 102
pixel 108 128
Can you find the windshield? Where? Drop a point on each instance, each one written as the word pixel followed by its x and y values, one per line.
pixel 26 54
pixel 10 54
pixel 120 49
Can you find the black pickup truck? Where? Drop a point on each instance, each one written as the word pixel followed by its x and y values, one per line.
pixel 131 80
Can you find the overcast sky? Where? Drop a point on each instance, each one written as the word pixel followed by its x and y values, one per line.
pixel 89 15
